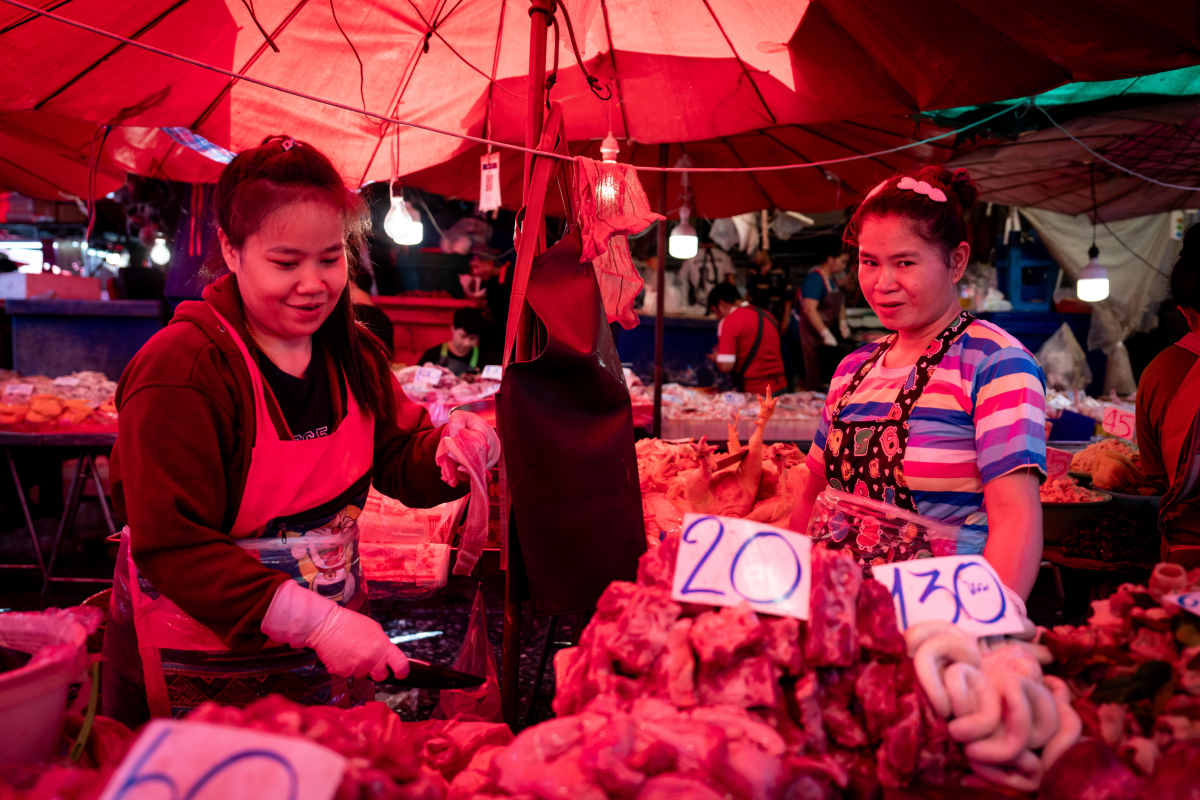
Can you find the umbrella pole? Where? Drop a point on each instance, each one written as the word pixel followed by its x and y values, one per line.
pixel 539 23
pixel 660 285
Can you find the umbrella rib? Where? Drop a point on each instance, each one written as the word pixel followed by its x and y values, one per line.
pixel 886 132
pixel 250 62
pixel 612 55
pixel 433 29
pixel 831 140
pixel 111 53
pixel 791 149
pixel 745 68
pixel 30 18
pixel 487 109
pixel 766 195
pixel 37 176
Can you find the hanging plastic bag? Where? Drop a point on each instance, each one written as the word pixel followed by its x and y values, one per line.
pixel 1108 334
pixel 1064 361
pixel 476 657
pixel 877 532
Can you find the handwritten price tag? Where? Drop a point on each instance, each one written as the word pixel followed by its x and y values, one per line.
pixel 174 758
pixel 430 376
pixel 20 389
pixel 1188 601
pixel 733 398
pixel 1058 462
pixel 963 590
pixel 492 372
pixel 66 381
pixel 490 390
pixel 1119 423
pixel 724 561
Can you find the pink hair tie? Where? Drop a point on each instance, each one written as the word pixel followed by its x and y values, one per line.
pixel 289 143
pixel 922 187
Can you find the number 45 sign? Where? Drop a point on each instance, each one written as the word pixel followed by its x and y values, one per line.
pixel 962 590
pixel 725 561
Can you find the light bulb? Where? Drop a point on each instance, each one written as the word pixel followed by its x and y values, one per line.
pixel 609 148
pixel 683 243
pixel 402 225
pixel 113 259
pixel 160 254
pixel 1092 285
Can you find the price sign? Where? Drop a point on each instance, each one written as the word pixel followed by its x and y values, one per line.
pixel 1058 462
pixel 963 590
pixel 202 761
pixel 430 376
pixel 492 372
pixel 490 390
pixel 1188 601
pixel 1119 423
pixel 66 381
pixel 489 182
pixel 724 561
pixel 20 389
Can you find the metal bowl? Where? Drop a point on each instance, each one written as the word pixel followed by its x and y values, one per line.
pixel 1062 519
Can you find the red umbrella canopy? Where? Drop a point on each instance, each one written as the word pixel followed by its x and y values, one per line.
pixel 47 156
pixel 678 70
pixel 725 194
pixel 1047 169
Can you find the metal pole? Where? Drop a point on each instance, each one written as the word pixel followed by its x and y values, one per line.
pixel 660 289
pixel 510 668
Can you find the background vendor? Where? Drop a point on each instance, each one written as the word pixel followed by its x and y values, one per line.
pixel 460 354
pixel 747 342
pixel 489 279
pixel 1168 407
pixel 251 429
pixel 946 417
pixel 822 312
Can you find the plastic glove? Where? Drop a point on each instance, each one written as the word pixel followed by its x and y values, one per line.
pixel 844 328
pixel 828 337
pixel 349 644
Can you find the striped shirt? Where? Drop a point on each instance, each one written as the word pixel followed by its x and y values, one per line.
pixel 982 415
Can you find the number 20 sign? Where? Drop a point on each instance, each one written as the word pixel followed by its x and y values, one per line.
pixel 963 590
pixel 724 561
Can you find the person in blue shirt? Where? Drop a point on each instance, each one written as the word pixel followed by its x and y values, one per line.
pixel 820 308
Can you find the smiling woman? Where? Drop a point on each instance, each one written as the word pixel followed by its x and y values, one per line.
pixel 250 431
pixel 945 417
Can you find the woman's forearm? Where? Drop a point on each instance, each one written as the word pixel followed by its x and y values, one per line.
pixel 1014 544
pixel 807 498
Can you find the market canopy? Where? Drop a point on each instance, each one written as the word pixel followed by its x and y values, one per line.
pixel 677 71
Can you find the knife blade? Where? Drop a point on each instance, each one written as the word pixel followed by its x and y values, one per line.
pixel 423 675
pixel 729 461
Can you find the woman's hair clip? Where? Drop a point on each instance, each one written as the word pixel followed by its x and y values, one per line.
pixel 922 187
pixel 878 188
pixel 289 143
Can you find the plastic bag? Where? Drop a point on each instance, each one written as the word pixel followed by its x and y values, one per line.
pixel 476 658
pixel 1064 361
pixel 1107 335
pixel 876 532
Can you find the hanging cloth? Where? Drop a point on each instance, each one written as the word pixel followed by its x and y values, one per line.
pixel 612 205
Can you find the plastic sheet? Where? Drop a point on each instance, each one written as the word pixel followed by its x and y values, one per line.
pixel 476 657
pixel 878 533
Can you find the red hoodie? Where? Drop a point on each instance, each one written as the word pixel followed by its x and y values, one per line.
pixel 179 467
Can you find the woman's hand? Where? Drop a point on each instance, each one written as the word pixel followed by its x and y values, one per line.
pixel 467 439
pixel 1014 544
pixel 809 491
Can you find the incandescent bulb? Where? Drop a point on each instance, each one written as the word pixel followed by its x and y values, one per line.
pixel 683 242
pixel 609 148
pixel 113 259
pixel 1092 285
pixel 402 224
pixel 160 254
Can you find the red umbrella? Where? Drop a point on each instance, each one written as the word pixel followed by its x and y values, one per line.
pixel 1049 169
pixel 46 156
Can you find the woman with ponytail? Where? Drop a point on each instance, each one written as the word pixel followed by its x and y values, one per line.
pixel 251 429
pixel 945 417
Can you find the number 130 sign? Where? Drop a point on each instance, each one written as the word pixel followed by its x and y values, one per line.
pixel 963 590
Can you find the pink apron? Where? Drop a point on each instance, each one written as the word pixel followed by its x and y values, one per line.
pixel 183 662
pixel 1180 441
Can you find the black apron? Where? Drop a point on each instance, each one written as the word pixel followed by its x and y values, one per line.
pixel 566 424
pixel 829 308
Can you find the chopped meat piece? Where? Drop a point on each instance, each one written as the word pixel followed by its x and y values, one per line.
pixel 897 755
pixel 843 727
pixel 604 757
pixel 718 636
pixel 641 630
pixel 753 774
pixel 676 669
pixel 876 620
pixel 783 643
pixel 876 690
pixel 477 777
pixel 751 681
pixel 738 725
pixel 808 700
pixel 832 638
pixel 680 745
pixel 1148 645
pixel 656 567
pixel 672 786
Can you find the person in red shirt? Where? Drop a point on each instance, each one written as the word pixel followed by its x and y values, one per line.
pixel 747 342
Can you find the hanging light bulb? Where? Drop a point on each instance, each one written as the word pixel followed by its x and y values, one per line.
pixel 683 243
pixel 1092 286
pixel 609 148
pixel 160 254
pixel 402 223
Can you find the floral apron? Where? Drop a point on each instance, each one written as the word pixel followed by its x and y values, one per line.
pixel 298 515
pixel 867 458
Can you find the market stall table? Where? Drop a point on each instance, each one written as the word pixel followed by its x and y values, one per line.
pixel 88 444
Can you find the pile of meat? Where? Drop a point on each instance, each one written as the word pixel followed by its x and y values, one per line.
pixel 1134 676
pixel 451 390
pixel 40 402
pixel 685 402
pixel 1068 490
pixel 1085 459
pixel 666 700
pixel 1121 533
pixel 386 759
pixel 677 479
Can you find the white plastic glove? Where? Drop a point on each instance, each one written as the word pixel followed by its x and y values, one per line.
pixel 844 328
pixel 349 644
pixel 828 337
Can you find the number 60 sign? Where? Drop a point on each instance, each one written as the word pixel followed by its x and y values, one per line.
pixel 725 561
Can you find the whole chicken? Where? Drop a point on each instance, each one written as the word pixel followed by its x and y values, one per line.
pixel 1116 471
pixel 731 492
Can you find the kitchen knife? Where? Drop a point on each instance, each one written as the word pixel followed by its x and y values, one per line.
pixel 423 675
pixel 728 461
